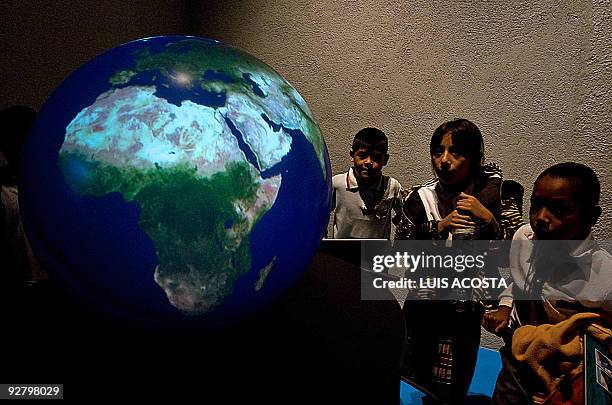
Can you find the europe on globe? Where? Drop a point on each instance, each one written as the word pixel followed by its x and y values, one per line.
pixel 176 177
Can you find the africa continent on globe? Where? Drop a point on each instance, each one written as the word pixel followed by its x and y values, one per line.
pixel 176 174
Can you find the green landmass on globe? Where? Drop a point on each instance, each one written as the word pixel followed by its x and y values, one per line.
pixel 249 76
pixel 200 195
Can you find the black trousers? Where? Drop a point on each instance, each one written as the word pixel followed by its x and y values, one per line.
pixel 514 382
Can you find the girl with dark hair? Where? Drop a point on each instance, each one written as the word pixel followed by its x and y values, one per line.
pixel 461 202
pixel 465 194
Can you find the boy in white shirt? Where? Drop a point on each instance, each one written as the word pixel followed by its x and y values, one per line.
pixel 365 202
pixel 551 283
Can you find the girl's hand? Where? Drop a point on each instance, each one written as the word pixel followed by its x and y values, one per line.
pixel 455 220
pixel 471 204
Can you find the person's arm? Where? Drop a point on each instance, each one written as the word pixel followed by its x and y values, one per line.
pixel 496 321
pixel 494 230
pixel 398 203
pixel 485 204
pixel 413 223
pixel 452 221
pixel 331 221
pixel 478 211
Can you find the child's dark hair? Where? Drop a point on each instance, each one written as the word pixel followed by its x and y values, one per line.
pixel 583 179
pixel 467 140
pixel 513 190
pixel 371 138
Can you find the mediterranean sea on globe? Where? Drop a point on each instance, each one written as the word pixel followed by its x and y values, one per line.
pixel 175 178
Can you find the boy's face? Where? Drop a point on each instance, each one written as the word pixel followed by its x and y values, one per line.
pixel 555 213
pixel 368 163
pixel 451 167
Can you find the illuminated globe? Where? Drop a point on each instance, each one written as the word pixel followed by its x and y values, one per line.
pixel 176 178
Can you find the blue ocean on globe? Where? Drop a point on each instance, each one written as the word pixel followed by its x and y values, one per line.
pixel 175 178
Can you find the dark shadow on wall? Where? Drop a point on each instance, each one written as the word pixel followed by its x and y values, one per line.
pixel 217 19
pixel 44 41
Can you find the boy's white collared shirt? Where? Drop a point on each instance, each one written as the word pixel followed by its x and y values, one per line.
pixel 352 218
pixel 589 282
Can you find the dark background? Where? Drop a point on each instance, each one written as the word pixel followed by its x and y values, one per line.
pixel 319 343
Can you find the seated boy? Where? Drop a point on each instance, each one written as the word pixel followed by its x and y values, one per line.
pixel 549 286
pixel 365 202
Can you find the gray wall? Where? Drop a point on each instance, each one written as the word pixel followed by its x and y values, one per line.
pixel 536 78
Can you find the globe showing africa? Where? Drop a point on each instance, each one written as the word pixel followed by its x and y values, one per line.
pixel 175 177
